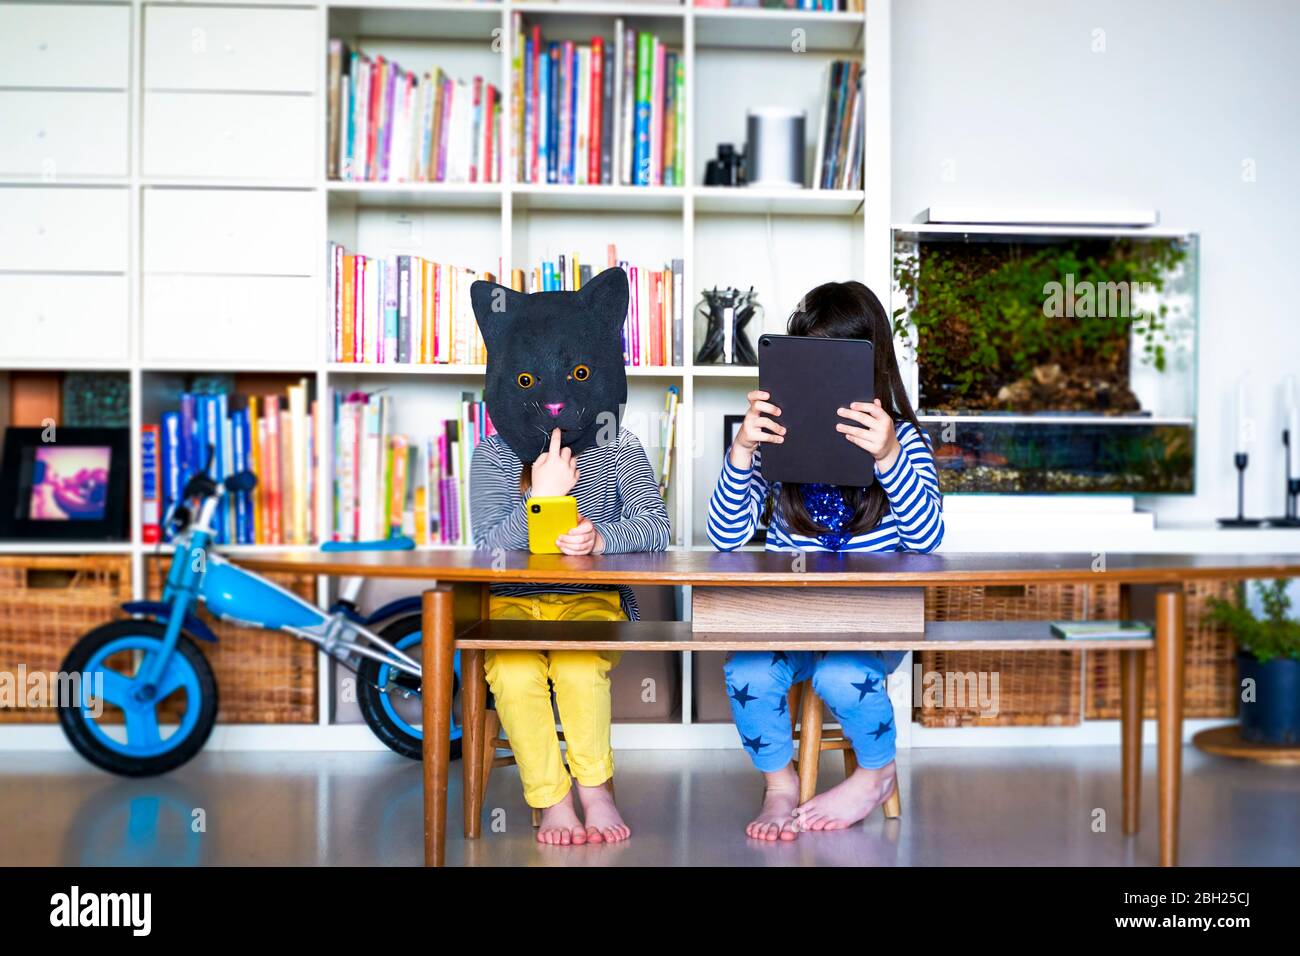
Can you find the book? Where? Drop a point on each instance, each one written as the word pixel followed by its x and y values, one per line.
pixel 607 111
pixel 389 124
pixel 270 435
pixel 151 483
pixel 653 330
pixel 1100 630
pixel 668 437
pixel 839 145
pixel 387 484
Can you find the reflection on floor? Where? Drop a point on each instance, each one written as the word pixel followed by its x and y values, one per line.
pixel 970 806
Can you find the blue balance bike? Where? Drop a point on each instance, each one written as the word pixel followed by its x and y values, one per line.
pixel 147 699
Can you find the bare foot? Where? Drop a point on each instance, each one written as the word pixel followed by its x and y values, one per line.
pixel 560 825
pixel 604 823
pixel 775 820
pixel 849 801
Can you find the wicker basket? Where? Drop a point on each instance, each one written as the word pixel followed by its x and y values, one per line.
pixel 1210 666
pixel 46 603
pixel 263 677
pixel 1039 689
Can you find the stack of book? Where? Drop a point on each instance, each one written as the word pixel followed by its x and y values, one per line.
pixel 388 485
pixel 387 124
pixel 839 141
pixel 612 111
pixel 668 437
pixel 652 332
pixel 402 309
pixel 273 436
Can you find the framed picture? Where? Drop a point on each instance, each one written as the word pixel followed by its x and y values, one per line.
pixel 730 425
pixel 73 488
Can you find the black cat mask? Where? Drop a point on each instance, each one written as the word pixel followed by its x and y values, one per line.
pixel 554 360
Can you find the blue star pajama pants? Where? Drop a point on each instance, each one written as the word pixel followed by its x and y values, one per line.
pixel 850 683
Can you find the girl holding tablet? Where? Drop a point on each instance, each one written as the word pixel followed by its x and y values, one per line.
pixel 901 511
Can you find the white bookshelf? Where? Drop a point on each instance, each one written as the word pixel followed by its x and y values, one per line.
pixel 199 128
pixel 137 194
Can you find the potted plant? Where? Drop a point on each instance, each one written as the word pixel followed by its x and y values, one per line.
pixel 1269 658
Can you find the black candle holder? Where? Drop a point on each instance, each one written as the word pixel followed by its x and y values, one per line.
pixel 1241 460
pixel 1291 490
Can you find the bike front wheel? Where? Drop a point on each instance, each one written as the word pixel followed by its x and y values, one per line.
pixel 113 724
pixel 392 712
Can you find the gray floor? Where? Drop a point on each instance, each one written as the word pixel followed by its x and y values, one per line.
pixel 970 806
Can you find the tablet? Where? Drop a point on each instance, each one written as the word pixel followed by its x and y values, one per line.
pixel 808 378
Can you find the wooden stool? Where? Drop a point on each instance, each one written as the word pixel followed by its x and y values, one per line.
pixel 810 734
pixel 492 742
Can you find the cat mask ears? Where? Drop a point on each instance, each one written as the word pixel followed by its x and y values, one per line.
pixel 603 300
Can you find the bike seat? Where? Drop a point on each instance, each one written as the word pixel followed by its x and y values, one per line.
pixel 382 544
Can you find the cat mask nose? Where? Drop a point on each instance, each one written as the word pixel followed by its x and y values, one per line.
pixel 554 408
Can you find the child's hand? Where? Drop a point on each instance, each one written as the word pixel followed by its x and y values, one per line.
pixel 756 429
pixel 554 472
pixel 584 539
pixel 876 434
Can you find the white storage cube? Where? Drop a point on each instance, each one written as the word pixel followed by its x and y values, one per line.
pixel 64 318
pixel 64 229
pixel 56 134
pixel 252 231
pixel 65 45
pixel 252 320
pixel 230 48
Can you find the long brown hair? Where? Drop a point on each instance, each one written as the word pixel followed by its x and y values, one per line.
pixel 849 310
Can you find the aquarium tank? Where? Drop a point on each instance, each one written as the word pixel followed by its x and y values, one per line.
pixel 1049 361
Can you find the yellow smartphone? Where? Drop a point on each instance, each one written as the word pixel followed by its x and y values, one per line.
pixel 548 518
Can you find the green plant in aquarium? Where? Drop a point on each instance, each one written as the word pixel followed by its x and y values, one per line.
pixel 1026 326
pixel 1275 635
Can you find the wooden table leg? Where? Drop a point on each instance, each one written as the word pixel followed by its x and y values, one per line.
pixel 1132 699
pixel 473 700
pixel 1170 636
pixel 437 681
pixel 810 743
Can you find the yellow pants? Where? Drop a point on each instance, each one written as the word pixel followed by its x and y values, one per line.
pixel 521 683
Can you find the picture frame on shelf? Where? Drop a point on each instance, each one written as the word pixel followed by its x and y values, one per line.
pixel 730 428
pixel 65 484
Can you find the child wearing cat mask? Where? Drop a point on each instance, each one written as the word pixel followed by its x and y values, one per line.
pixel 901 511
pixel 555 386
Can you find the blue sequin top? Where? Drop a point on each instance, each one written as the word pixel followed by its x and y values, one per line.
pixel 829 509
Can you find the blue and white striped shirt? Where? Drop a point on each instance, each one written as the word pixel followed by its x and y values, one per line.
pixel 616 491
pixel 914 521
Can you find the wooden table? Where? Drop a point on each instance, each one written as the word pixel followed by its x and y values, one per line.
pixel 455 617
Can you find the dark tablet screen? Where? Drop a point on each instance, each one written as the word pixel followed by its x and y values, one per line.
pixel 809 377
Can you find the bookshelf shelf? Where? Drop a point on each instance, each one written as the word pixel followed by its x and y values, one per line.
pixel 406 21
pixel 396 368
pixel 761 29
pixel 725 371
pixel 416 195
pixel 65 547
pixel 807 202
pixel 578 9
pixel 598 198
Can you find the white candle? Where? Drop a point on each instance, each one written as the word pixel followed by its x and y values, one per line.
pixel 1293 426
pixel 1242 430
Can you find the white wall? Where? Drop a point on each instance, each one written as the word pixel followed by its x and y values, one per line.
pixel 1008 98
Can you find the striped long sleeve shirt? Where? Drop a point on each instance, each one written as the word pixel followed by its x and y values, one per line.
pixel 616 491
pixel 914 521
